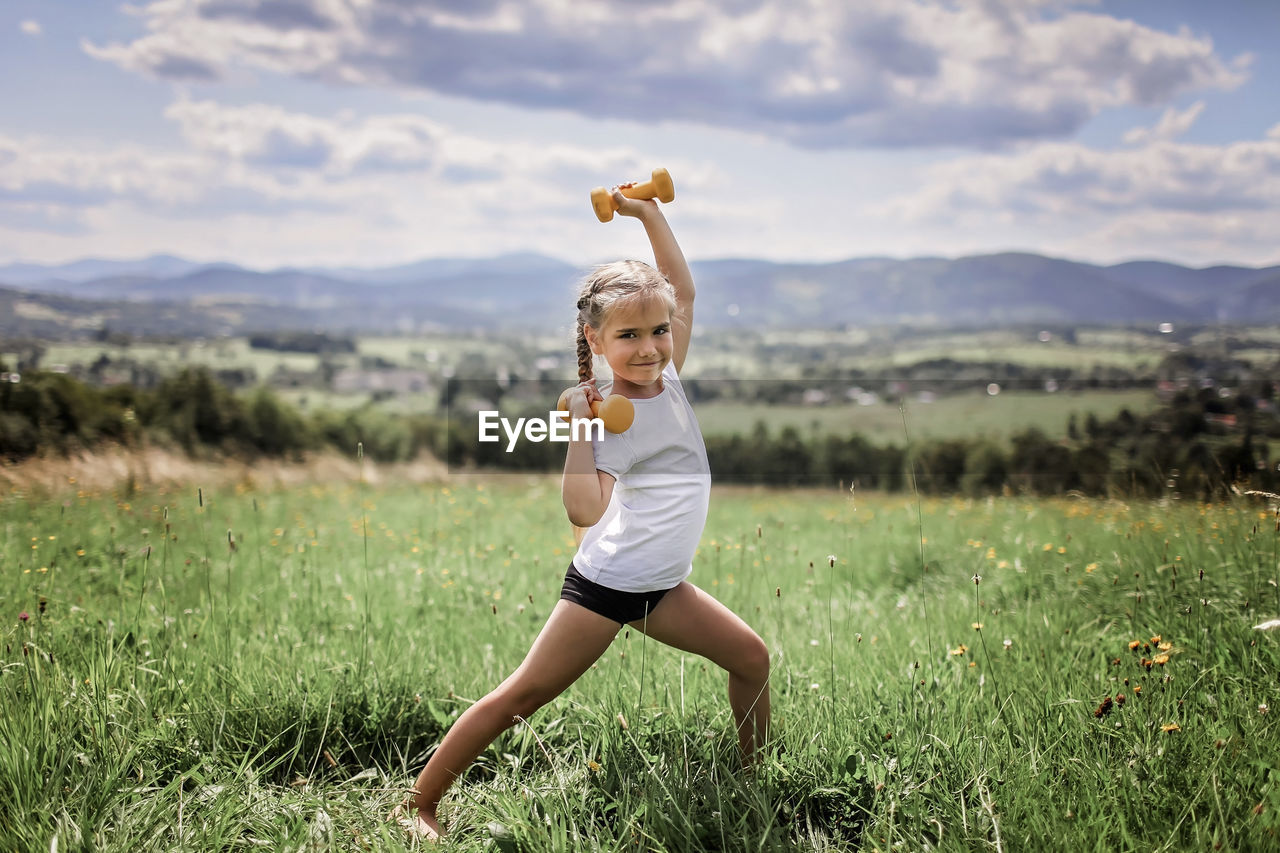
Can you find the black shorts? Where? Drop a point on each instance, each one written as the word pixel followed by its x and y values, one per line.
pixel 612 604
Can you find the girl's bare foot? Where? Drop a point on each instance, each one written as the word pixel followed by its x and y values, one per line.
pixel 417 823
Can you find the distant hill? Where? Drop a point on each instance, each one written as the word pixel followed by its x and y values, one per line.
pixel 92 268
pixel 984 290
pixel 1256 298
pixel 167 295
pixel 1208 290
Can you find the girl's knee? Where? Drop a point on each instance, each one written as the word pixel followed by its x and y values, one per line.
pixel 753 661
pixel 519 701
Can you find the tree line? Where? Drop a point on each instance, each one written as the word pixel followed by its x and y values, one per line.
pixel 46 412
pixel 1199 444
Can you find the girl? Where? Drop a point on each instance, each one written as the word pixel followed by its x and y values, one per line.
pixel 639 500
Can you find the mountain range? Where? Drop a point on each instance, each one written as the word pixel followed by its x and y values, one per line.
pixel 166 295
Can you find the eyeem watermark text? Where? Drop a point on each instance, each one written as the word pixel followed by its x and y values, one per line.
pixel 557 427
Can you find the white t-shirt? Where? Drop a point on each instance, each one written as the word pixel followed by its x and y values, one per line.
pixel 647 536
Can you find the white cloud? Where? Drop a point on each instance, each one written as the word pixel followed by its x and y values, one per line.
pixel 260 134
pixel 318 188
pixel 267 152
pixel 823 73
pixel 39 172
pixel 260 184
pixel 31 28
pixel 1053 179
pixel 345 147
pixel 1173 123
pixel 1233 236
pixel 1170 199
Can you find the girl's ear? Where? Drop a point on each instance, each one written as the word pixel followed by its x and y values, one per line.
pixel 593 340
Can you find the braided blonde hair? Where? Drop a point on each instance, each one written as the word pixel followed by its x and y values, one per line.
pixel 608 287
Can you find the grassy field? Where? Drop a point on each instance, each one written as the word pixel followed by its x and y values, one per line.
pixel 887 351
pixel 236 353
pixel 222 354
pixel 751 355
pixel 962 415
pixel 761 355
pixel 243 670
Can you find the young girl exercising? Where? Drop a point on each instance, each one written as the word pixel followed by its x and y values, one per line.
pixel 639 500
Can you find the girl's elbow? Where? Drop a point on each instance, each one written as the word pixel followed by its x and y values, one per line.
pixel 583 518
pixel 581 515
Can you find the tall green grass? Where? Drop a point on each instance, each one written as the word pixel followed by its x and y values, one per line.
pixel 269 670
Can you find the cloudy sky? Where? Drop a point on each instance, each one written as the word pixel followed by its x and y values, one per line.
pixel 372 132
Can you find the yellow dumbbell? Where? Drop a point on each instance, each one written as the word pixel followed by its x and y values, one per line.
pixel 659 187
pixel 616 411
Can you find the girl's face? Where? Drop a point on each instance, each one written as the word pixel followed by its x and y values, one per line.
pixel 636 341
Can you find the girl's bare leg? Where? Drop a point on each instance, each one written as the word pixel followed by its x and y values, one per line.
pixel 693 621
pixel 572 640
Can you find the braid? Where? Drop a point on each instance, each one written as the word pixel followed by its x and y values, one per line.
pixel 584 353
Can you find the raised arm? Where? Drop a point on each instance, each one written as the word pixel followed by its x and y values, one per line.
pixel 671 263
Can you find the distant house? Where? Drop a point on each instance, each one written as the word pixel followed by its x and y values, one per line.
pixel 285 377
pixel 815 397
pixel 115 375
pixel 350 380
